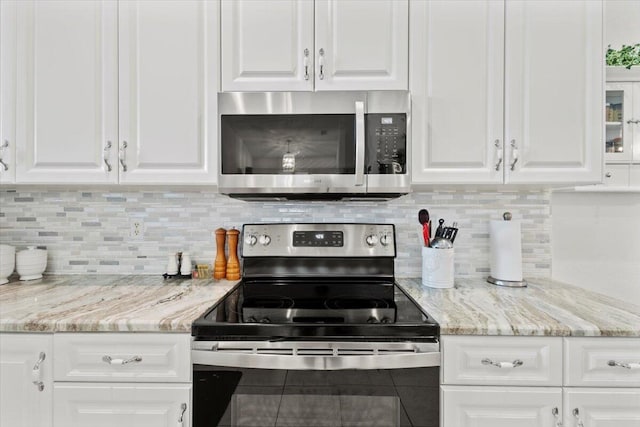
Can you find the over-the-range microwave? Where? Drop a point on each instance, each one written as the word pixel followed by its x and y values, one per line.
pixel 314 145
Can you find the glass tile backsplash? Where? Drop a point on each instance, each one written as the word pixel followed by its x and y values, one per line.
pixel 91 231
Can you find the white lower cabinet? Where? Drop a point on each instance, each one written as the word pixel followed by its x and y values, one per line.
pixel 122 379
pixel 121 404
pixel 501 406
pixel 602 407
pixel 487 381
pixel 26 380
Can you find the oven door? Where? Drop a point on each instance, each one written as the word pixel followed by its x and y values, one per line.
pixel 315 384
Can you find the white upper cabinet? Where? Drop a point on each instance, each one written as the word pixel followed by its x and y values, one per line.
pixel 66 93
pixel 457 91
pixel 507 91
pixel 168 106
pixel 554 91
pixel 362 45
pixel 7 92
pixel 267 45
pixel 303 45
pixel 111 92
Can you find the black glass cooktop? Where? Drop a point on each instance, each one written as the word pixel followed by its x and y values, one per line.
pixel 320 311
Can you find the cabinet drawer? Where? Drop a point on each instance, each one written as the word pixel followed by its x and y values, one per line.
pixel 587 362
pixel 121 404
pixel 480 360
pixel 122 357
pixel 616 175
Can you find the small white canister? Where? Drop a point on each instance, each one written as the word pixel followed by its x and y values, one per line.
pixel 437 267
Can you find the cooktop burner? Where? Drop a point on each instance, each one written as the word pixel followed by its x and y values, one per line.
pixel 239 317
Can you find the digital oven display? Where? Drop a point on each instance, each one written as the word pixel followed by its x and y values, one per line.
pixel 318 239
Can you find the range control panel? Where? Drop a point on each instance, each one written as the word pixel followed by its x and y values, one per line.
pixel 318 240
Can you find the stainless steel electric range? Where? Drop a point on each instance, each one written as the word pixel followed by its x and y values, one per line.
pixel 317 333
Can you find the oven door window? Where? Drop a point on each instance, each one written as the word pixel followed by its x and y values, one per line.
pixel 288 144
pixel 239 397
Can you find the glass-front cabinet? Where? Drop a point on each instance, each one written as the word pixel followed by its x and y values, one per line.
pixel 622 119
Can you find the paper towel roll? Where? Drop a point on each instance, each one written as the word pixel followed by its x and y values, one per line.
pixel 506 250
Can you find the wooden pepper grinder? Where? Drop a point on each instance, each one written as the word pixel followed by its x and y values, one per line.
pixel 220 265
pixel 233 266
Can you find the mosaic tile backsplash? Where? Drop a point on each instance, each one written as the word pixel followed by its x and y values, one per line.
pixel 90 231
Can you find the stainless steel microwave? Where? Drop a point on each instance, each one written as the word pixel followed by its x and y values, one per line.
pixel 314 145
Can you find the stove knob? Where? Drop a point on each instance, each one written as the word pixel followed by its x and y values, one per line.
pixel 372 319
pixel 385 240
pixel 265 320
pixel 372 240
pixel 385 320
pixel 250 240
pixel 264 240
pixel 251 319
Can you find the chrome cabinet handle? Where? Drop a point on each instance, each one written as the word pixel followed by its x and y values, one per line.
pixel 306 64
pixel 633 121
pixel 624 365
pixel 499 153
pixel 576 414
pixel 513 364
pixel 556 415
pixel 4 146
pixel 106 154
pixel 183 407
pixel 111 361
pixel 514 153
pixel 608 175
pixel 321 63
pixel 36 372
pixel 122 156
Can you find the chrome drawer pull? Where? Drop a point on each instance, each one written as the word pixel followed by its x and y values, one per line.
pixel 556 415
pixel 183 407
pixel 513 364
pixel 36 373
pixel 576 414
pixel 111 361
pixel 624 365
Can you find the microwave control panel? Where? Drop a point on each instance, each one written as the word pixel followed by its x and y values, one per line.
pixel 386 136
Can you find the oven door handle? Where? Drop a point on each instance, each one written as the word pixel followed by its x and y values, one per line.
pixel 360 143
pixel 323 363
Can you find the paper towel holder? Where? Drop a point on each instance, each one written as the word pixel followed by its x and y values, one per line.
pixel 507 283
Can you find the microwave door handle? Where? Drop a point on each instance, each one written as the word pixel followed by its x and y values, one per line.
pixel 360 143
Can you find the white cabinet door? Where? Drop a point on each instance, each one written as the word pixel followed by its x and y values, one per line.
pixel 471 406
pixel 604 407
pixel 619 124
pixel 554 91
pixel 302 45
pixel 122 405
pixel 634 178
pixel 362 45
pixel 457 91
pixel 168 109
pixel 22 403
pixel 616 175
pixel 7 91
pixel 267 45
pixel 66 112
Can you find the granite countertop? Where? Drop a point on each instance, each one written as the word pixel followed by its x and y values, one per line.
pixel 150 304
pixel 85 303
pixel 545 307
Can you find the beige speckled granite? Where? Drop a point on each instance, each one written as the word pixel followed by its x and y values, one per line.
pixel 150 304
pixel 106 303
pixel 545 307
